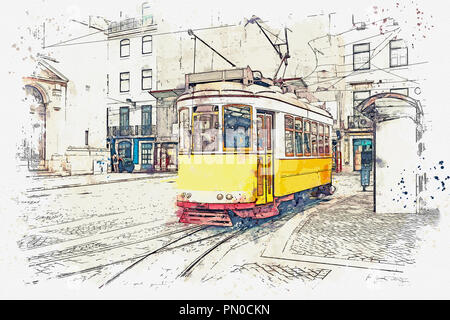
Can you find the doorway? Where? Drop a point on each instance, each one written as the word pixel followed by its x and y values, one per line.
pixel 360 145
pixel 264 167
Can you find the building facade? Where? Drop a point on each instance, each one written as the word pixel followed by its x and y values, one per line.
pixel 132 113
pixel 66 131
pixel 377 59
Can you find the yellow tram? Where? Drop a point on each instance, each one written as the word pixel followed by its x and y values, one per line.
pixel 246 147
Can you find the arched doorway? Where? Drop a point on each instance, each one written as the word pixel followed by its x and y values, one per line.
pixel 35 137
pixel 124 150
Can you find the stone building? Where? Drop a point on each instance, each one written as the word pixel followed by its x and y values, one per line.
pixel 66 130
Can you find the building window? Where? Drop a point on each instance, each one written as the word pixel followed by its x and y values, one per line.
pixel 86 137
pixel 146 120
pixel 146 153
pixel 237 127
pixel 307 138
pixel 398 53
pixel 146 81
pixel 314 138
pixel 147 17
pixel 403 91
pixel 361 56
pixel 298 136
pixel 289 135
pixel 124 82
pixel 124 48
pixel 147 44
pixel 359 96
pixel 124 121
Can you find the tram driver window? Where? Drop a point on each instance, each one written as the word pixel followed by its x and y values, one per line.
pixel 184 130
pixel 236 127
pixel 206 128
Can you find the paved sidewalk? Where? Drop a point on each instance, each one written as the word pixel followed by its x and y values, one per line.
pixel 340 240
pixel 49 182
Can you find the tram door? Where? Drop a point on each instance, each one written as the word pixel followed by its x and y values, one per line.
pixel 265 158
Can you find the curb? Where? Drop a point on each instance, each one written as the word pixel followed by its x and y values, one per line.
pixel 96 183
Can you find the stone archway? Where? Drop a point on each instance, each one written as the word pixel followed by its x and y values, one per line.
pixel 35 133
pixel 397 131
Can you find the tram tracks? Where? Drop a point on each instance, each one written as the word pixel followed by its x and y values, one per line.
pixel 167 247
pixel 170 245
pixel 110 247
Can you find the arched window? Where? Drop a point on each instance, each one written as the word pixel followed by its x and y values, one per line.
pixel 32 93
pixel 147 44
pixel 124 48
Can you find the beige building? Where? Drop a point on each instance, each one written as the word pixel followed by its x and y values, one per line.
pixel 66 130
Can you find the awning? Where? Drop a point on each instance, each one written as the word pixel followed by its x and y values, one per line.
pixel 169 93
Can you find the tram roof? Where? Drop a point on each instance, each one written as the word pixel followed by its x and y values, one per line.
pixel 235 88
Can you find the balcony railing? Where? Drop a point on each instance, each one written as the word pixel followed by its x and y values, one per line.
pixel 359 122
pixel 129 24
pixel 138 130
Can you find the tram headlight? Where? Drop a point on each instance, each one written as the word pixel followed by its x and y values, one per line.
pixel 188 195
pixel 219 196
pixel 183 195
pixel 229 196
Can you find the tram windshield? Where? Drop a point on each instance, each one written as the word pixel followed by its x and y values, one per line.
pixel 237 127
pixel 205 128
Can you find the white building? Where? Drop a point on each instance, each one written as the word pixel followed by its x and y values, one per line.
pixel 378 58
pixel 68 136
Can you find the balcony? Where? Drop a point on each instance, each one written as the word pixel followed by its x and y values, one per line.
pixel 131 23
pixel 359 122
pixel 131 131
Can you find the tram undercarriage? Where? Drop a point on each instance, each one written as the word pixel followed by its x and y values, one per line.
pixel 228 215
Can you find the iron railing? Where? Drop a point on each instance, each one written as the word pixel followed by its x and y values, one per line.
pixel 129 24
pixel 138 130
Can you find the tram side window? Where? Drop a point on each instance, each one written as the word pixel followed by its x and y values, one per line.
pixel 206 128
pixel 237 127
pixel 321 140
pixel 307 138
pixel 314 138
pixel 184 130
pixel 289 135
pixel 298 136
pixel 327 140
pixel 260 132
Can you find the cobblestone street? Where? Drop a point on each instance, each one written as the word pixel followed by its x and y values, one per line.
pixel 88 234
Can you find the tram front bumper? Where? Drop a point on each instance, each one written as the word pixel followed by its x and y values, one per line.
pixel 207 217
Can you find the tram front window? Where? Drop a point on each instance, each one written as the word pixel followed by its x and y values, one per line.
pixel 206 128
pixel 237 127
